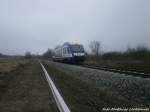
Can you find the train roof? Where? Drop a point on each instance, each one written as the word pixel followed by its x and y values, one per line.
pixel 68 44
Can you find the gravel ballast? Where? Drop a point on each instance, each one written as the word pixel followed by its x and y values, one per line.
pixel 128 87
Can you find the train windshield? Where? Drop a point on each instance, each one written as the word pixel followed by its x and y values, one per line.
pixel 77 48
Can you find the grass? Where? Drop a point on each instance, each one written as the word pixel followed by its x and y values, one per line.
pixel 25 89
pixel 7 65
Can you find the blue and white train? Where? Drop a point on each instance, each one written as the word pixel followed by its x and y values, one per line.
pixel 69 53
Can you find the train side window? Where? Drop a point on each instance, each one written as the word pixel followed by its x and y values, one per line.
pixel 68 50
pixel 63 50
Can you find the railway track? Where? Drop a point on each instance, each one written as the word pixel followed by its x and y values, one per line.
pixel 126 72
pixel 62 106
pixel 129 88
pixel 133 73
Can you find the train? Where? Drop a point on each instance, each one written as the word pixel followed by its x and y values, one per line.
pixel 70 53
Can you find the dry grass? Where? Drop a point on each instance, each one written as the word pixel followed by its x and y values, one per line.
pixel 25 89
pixel 7 65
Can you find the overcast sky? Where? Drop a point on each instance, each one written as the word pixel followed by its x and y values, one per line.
pixel 36 25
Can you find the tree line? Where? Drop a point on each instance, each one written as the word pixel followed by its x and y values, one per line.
pixel 139 52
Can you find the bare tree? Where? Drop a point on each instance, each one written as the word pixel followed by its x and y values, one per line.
pixel 48 54
pixel 95 47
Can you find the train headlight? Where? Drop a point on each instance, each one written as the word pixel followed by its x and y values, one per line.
pixel 79 54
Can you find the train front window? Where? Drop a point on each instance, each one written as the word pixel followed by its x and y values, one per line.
pixel 77 48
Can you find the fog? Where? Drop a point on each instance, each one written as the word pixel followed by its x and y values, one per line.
pixel 36 25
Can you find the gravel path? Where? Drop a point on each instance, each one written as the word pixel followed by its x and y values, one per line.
pixel 129 87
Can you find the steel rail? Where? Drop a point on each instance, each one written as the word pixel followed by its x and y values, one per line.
pixel 126 72
pixel 57 96
pixel 133 73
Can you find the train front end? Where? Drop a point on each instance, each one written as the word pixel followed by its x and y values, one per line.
pixel 78 53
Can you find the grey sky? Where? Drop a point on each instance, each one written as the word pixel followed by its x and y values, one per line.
pixel 36 25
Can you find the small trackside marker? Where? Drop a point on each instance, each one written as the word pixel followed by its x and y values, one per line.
pixel 57 96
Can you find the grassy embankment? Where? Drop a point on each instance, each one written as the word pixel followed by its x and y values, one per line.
pixel 82 96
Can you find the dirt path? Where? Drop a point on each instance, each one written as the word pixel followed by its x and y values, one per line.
pixel 25 90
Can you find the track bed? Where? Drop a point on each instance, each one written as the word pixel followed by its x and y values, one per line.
pixel 118 90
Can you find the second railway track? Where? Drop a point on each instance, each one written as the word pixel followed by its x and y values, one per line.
pixel 126 72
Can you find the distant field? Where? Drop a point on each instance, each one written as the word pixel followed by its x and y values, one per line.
pixel 7 65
